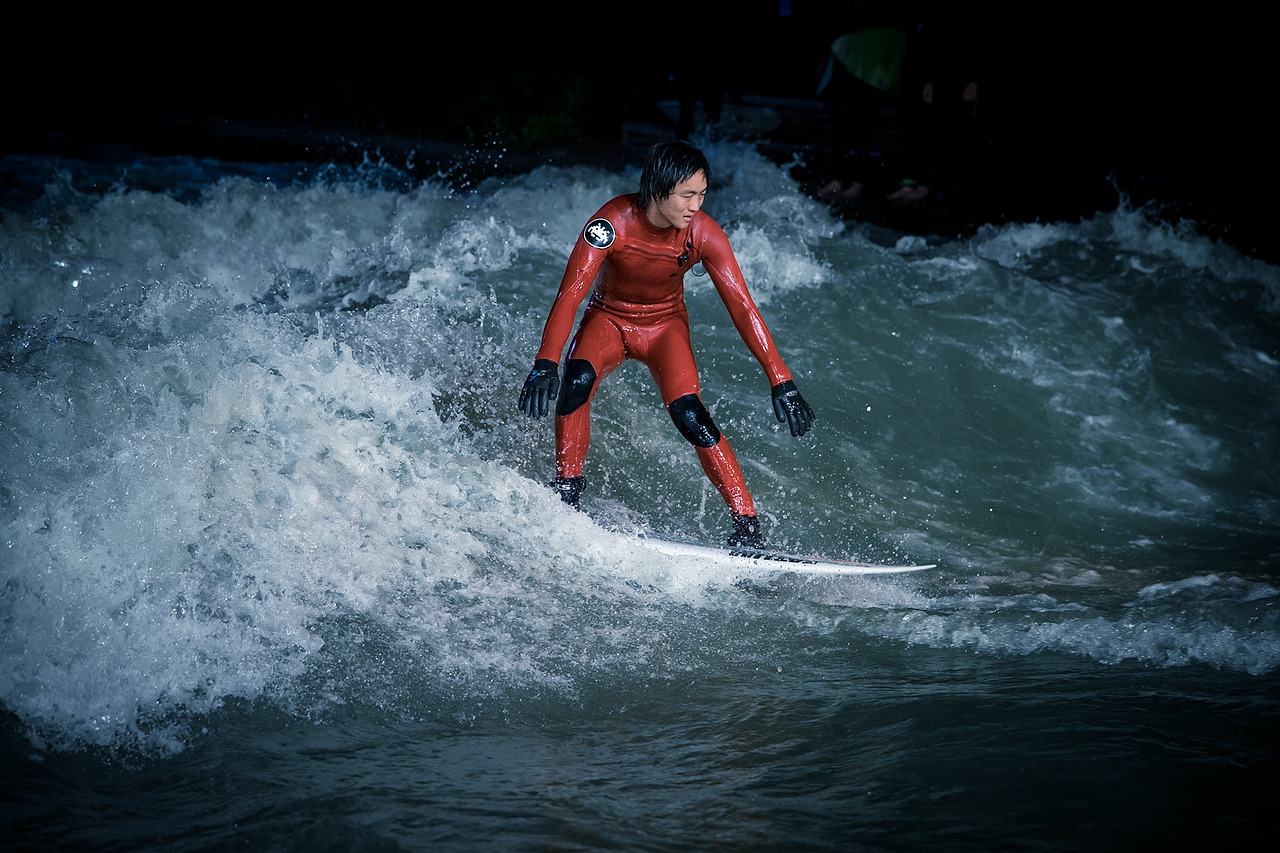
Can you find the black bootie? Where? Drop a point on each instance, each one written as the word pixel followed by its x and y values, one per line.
pixel 746 532
pixel 570 489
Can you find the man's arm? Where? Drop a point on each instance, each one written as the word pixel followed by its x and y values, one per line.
pixel 721 264
pixel 543 382
pixel 579 275
pixel 788 405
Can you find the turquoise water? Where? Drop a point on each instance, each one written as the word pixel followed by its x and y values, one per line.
pixel 280 570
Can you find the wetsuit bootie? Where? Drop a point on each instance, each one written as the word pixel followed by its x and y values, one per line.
pixel 746 532
pixel 570 489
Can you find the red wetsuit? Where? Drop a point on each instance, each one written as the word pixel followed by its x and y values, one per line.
pixel 637 311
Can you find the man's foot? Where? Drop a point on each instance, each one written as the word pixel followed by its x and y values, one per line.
pixel 570 489
pixel 850 192
pixel 746 532
pixel 910 191
pixel 830 190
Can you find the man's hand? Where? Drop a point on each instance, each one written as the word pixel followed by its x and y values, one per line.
pixel 541 388
pixel 790 408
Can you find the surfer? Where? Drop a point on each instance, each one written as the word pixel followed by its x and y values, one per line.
pixel 640 245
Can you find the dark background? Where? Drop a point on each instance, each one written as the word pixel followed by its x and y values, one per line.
pixel 1088 101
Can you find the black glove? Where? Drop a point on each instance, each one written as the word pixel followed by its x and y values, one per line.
pixel 791 408
pixel 540 388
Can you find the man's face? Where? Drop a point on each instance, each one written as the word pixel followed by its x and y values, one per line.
pixel 677 209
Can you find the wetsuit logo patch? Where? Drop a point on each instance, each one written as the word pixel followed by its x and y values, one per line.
pixel 599 233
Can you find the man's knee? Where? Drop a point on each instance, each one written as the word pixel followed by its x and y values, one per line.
pixel 575 389
pixel 694 421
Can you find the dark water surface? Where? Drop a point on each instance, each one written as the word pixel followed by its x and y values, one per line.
pixel 280 571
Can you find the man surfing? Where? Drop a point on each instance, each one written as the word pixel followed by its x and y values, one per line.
pixel 635 250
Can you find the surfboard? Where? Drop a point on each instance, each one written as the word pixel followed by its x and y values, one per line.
pixel 758 560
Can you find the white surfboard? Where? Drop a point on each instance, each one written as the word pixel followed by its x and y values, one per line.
pixel 758 560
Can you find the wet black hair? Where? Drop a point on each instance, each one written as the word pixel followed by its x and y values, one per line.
pixel 668 164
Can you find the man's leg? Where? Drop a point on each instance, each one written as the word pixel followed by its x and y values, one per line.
pixel 596 352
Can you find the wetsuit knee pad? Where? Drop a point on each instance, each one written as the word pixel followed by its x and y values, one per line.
pixel 694 421
pixel 575 388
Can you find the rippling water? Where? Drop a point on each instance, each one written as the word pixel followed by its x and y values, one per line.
pixel 280 569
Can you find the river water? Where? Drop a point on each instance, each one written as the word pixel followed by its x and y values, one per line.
pixel 281 571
